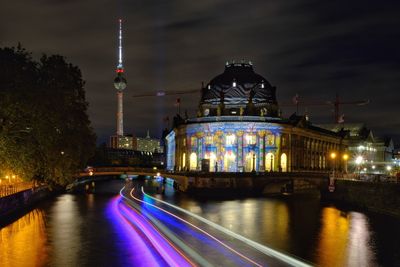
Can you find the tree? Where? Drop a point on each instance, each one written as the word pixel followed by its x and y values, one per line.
pixel 45 132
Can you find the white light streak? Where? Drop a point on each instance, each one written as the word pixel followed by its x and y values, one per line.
pixel 264 249
pixel 197 228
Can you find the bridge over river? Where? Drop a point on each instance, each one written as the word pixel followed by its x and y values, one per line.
pixel 259 182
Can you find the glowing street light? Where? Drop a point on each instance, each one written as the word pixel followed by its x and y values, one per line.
pixel 359 160
pixel 333 157
pixel 345 158
pixel 389 168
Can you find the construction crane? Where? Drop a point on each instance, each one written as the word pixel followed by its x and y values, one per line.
pixel 336 104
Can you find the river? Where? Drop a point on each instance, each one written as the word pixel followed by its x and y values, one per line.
pixel 81 230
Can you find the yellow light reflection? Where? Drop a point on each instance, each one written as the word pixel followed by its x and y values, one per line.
pixel 344 240
pixel 23 243
pixel 333 240
pixel 276 224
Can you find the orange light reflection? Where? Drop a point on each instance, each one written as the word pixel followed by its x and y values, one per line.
pixel 23 243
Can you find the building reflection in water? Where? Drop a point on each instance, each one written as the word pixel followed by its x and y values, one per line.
pixel 23 243
pixel 66 226
pixel 344 240
pixel 276 219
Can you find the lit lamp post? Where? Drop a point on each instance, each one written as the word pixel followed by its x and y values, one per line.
pixel 389 168
pixel 345 159
pixel 333 157
pixel 359 160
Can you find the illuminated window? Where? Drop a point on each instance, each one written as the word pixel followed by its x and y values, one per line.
pixel 211 156
pixel 250 162
pixel 209 139
pixel 193 161
pixel 230 140
pixel 184 160
pixel 250 139
pixel 193 141
pixel 269 162
pixel 284 162
pixel 230 162
pixel 270 140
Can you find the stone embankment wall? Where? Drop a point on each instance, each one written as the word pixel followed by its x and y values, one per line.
pixel 24 199
pixel 378 197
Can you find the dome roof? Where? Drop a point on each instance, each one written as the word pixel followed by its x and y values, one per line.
pixel 237 85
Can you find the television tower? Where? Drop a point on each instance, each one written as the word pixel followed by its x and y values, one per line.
pixel 120 85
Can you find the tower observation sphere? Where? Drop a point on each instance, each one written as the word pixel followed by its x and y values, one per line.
pixel 120 82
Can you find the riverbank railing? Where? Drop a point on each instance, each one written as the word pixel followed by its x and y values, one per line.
pixel 12 188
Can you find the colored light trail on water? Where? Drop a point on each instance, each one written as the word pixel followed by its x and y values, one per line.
pixel 157 251
pixel 262 248
pixel 207 234
pixel 169 237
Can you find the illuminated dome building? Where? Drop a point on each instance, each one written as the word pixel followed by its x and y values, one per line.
pixel 239 129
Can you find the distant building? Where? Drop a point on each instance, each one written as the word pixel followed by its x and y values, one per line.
pixel 122 142
pixel 107 156
pixel 376 153
pixel 148 144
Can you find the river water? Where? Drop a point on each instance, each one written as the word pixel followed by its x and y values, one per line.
pixel 80 230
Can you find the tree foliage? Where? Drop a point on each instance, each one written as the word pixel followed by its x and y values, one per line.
pixel 45 132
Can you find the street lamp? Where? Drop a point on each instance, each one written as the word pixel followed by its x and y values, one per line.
pixel 359 160
pixel 345 158
pixel 389 168
pixel 333 157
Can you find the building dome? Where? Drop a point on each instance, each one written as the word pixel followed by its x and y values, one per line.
pixel 239 87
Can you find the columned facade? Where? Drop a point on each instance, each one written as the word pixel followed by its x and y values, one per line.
pixel 250 146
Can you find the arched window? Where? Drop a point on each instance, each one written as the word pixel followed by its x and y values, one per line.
pixel 269 162
pixel 230 162
pixel 193 161
pixel 284 162
pixel 250 162
pixel 213 159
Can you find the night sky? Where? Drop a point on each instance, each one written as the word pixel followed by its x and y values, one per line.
pixel 310 47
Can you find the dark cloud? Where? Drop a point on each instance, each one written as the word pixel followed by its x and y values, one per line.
pixel 310 47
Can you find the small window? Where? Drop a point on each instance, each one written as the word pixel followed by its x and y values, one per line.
pixel 230 140
pixel 270 140
pixel 250 139
pixel 209 139
pixel 193 141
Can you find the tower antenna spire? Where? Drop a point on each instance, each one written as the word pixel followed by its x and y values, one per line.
pixel 120 66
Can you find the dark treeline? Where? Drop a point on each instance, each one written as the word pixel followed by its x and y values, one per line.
pixel 45 132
